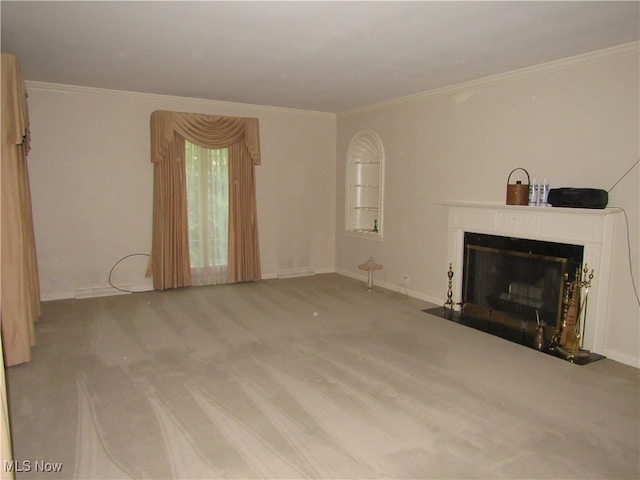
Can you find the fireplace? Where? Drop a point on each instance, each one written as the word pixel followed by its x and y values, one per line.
pixel 590 231
pixel 513 286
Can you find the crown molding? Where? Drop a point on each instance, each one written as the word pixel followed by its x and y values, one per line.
pixel 527 72
pixel 105 92
pixel 624 50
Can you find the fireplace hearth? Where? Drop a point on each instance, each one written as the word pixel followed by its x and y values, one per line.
pixel 514 288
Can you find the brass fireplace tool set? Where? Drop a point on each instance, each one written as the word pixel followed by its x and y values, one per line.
pixel 569 337
pixel 567 341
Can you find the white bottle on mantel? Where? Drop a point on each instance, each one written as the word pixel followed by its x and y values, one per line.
pixel 543 193
pixel 533 193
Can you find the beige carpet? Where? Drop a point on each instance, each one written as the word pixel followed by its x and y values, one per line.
pixel 311 377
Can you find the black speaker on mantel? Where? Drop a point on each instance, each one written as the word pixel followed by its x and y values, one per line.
pixel 578 197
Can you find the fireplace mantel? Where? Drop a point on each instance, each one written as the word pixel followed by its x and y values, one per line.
pixel 592 229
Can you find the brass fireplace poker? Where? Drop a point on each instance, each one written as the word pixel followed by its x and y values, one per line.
pixel 585 285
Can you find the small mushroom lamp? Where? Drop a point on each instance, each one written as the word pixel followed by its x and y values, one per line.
pixel 370 266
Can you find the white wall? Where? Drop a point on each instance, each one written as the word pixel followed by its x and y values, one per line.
pixel 574 122
pixel 91 181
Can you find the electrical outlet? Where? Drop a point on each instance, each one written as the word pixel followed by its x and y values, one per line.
pixel 53 283
pixel 405 280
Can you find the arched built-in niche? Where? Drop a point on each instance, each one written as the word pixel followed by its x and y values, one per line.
pixel 365 185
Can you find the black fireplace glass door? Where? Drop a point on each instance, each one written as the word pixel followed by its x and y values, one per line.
pixel 517 282
pixel 522 284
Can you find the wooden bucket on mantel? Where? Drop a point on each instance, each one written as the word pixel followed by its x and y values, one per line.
pixel 518 193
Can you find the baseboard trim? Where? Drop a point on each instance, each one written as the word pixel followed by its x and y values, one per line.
pixel 50 297
pixel 622 358
pixel 297 273
pixel 304 272
pixel 395 288
pixel 93 292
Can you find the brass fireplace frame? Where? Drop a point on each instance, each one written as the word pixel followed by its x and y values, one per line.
pixel 510 318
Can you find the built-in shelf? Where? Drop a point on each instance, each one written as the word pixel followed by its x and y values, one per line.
pixel 364 185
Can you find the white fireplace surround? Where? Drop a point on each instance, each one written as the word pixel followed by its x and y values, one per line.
pixel 593 229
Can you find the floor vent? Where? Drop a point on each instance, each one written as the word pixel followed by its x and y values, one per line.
pixel 98 292
pixel 296 273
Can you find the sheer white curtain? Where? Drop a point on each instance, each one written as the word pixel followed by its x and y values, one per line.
pixel 208 208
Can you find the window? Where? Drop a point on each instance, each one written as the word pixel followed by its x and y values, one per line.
pixel 208 212
pixel 365 185
pixel 170 263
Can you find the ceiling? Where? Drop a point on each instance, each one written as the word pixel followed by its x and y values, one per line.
pixel 323 56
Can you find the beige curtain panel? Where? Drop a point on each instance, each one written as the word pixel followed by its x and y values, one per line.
pixel 170 264
pixel 19 283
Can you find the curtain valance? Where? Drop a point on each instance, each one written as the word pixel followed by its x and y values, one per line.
pixel 15 114
pixel 209 131
pixel 170 257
